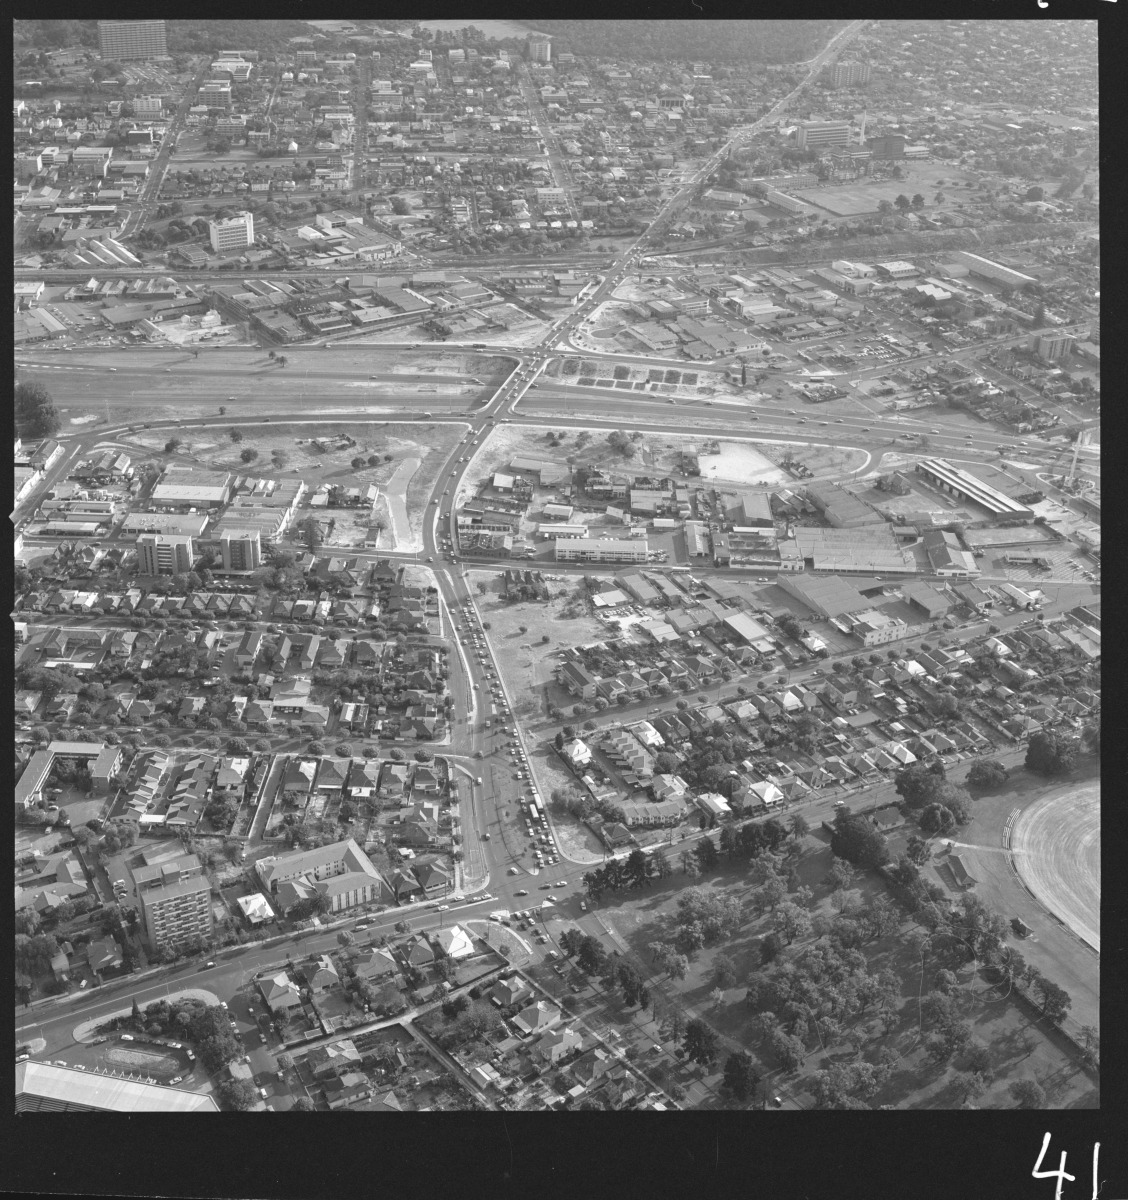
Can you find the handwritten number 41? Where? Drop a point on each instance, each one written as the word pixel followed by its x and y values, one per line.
pixel 1061 1175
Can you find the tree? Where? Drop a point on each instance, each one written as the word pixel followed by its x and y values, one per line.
pixel 571 941
pixel 35 410
pixel 840 875
pixel 302 1104
pixel 920 785
pixel 724 971
pixel 1027 1094
pixel 248 455
pixel 987 774
pixel 856 840
pixel 1049 753
pixel 238 1095
pixel 1056 1001
pixel 918 850
pixel 771 946
pixel 592 956
pixel 798 826
pixel 788 1048
pixel 740 1077
pixel 791 922
pixel 706 854
pixel 937 819
pixel 700 1044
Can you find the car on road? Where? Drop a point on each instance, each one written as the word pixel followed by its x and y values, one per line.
pixel 521 893
pixel 207 965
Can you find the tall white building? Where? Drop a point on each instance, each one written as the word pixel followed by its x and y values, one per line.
pixel 235 233
pixel 814 134
pixel 132 39
pixel 241 549
pixel 158 554
pixel 540 47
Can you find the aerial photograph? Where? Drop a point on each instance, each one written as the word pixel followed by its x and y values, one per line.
pixel 484 736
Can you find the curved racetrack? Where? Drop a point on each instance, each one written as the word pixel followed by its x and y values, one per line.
pixel 1056 846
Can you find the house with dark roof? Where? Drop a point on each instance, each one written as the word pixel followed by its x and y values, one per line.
pixel 538 1017
pixel 433 879
pixel 320 975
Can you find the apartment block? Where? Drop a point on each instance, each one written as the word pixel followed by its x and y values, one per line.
pixel 241 549
pixel 176 912
pixel 164 554
pixel 132 39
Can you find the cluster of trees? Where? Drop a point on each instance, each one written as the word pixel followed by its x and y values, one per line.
pixel 679 41
pixel 819 992
pixel 466 1023
pixel 582 805
pixel 36 414
pixel 623 443
pixel 938 803
pixel 209 1029
pixel 1052 753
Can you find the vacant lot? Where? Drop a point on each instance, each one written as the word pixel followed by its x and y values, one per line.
pixel 517 632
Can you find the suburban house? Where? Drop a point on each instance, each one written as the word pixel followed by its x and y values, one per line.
pixel 377 963
pixel 509 992
pixel 280 993
pixel 537 1017
pixel 558 1044
pixel 334 1059
pixel 321 974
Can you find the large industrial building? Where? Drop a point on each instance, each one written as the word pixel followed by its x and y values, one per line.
pixel 125 40
pixel 44 1087
pixel 964 486
pixel 871 550
pixel 984 268
pixel 826 595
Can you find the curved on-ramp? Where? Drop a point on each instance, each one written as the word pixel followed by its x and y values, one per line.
pixel 1056 849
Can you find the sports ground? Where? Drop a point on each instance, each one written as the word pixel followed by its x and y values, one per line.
pixel 1056 844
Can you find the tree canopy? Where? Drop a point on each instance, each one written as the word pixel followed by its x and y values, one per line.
pixel 36 414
